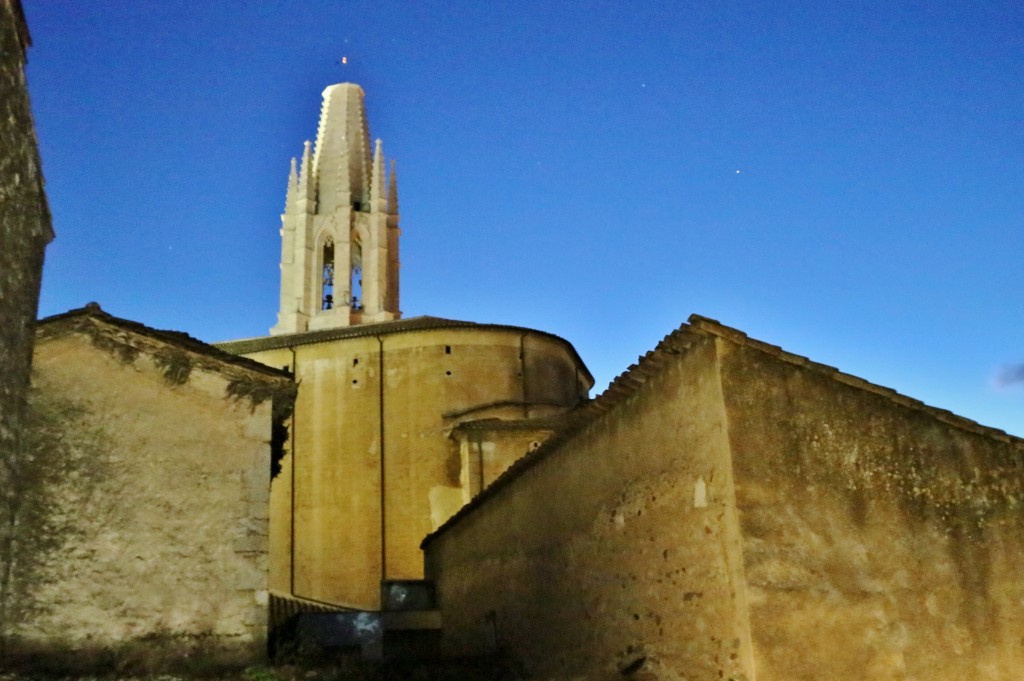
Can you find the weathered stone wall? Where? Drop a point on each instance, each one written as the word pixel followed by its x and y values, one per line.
pixel 170 527
pixel 616 551
pixel 334 503
pixel 882 539
pixel 739 509
pixel 24 226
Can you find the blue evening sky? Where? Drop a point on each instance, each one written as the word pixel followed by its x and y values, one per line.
pixel 843 179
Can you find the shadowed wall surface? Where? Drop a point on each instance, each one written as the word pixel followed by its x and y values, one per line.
pixel 615 550
pixel 166 523
pixel 881 540
pixel 736 511
pixel 24 226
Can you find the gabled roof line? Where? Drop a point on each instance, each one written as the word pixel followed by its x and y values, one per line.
pixel 91 312
pixel 621 388
pixel 628 382
pixel 716 328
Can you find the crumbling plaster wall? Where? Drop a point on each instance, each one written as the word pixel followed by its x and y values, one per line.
pixel 882 540
pixel 171 535
pixel 616 551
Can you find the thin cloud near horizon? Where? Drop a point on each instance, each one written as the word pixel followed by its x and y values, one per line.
pixel 1009 375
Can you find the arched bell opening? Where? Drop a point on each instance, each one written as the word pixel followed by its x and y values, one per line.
pixel 327 275
pixel 356 276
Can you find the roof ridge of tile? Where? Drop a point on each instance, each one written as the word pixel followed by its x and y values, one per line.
pixel 94 313
pixel 622 387
pixel 628 382
pixel 714 327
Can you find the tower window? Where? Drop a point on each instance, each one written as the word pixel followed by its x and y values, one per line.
pixel 327 282
pixel 357 276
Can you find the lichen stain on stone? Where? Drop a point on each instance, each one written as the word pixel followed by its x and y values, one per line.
pixel 877 513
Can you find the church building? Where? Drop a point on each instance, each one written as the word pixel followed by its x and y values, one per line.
pixel 398 422
pixel 726 509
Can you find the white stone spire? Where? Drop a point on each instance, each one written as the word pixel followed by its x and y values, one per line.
pixel 378 195
pixel 293 188
pixel 306 197
pixel 339 231
pixel 342 144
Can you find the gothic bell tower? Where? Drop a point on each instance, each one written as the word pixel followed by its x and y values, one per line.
pixel 339 230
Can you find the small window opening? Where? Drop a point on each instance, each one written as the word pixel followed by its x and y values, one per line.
pixel 447 349
pixel 355 361
pixel 327 281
